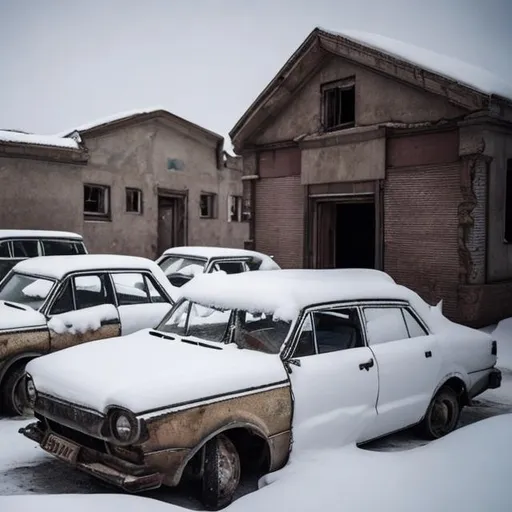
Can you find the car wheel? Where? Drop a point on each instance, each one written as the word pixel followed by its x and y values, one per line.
pixel 14 398
pixel 442 414
pixel 221 472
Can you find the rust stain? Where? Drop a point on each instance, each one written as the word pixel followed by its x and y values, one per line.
pixel 15 343
pixel 68 339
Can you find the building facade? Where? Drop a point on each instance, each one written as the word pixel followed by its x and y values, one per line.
pixel 354 157
pixel 135 184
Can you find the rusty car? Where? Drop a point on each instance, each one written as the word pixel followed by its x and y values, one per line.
pixel 247 368
pixel 53 302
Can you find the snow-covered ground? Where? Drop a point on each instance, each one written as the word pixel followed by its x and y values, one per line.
pixel 467 471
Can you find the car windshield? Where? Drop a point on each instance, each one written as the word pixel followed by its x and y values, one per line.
pixel 254 331
pixel 182 265
pixel 27 290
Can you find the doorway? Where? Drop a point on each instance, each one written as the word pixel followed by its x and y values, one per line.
pixel 345 234
pixel 171 221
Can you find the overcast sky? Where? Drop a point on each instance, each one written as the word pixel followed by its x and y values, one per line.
pixel 66 62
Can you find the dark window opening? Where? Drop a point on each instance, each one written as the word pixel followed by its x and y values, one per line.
pixel 93 290
pixel 25 248
pixel 339 105
pixel 508 204
pixel 64 301
pixel 337 330
pixel 133 200
pixel 96 201
pixel 230 267
pixel 235 209
pixel 207 206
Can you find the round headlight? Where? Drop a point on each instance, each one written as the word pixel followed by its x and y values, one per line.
pixel 31 390
pixel 123 428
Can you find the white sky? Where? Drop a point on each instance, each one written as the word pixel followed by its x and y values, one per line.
pixel 64 63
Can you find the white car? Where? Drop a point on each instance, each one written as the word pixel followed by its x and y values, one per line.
pixel 180 264
pixel 54 302
pixel 247 366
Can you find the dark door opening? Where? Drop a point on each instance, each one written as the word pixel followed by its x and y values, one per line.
pixel 355 235
pixel 345 234
pixel 171 222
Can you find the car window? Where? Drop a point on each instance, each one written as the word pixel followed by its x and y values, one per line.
pixel 306 342
pixel 337 329
pixel 230 267
pixel 154 294
pixel 254 263
pixel 64 301
pixel 130 288
pixel 92 290
pixel 28 290
pixel 79 248
pixel 25 248
pixel 384 324
pixel 413 326
pixel 59 248
pixel 4 250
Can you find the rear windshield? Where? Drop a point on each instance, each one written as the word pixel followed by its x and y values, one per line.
pixel 62 247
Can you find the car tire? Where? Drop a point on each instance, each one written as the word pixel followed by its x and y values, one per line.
pixel 442 415
pixel 221 474
pixel 13 397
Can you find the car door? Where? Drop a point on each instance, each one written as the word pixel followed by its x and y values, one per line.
pixel 408 362
pixel 140 303
pixel 83 310
pixel 334 380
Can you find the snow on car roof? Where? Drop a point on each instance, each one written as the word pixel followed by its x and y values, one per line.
pixel 221 252
pixel 58 266
pixel 39 233
pixel 284 293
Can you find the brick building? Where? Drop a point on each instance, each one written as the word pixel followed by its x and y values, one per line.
pixel 354 156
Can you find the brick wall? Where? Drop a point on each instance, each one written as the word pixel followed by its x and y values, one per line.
pixel 279 219
pixel 420 231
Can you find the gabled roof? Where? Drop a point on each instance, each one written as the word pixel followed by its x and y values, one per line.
pixel 136 116
pixel 461 83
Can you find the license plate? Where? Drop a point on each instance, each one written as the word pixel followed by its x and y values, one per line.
pixel 61 448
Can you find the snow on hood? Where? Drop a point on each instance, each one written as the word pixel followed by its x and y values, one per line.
pixel 143 372
pixel 14 316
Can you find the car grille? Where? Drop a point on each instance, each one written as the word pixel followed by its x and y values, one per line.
pixel 78 437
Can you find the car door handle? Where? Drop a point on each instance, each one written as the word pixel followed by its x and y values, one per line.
pixel 428 354
pixel 366 366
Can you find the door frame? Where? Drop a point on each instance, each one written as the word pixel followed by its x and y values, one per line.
pixel 311 231
pixel 180 195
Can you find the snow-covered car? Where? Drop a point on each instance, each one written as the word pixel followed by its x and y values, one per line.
pixel 54 302
pixel 19 244
pixel 229 379
pixel 180 264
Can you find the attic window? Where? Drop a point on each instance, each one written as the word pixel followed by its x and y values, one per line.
pixel 338 101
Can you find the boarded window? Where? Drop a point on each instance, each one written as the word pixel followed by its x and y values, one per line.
pixel 339 104
pixel 207 206
pixel 508 204
pixel 97 202
pixel 133 200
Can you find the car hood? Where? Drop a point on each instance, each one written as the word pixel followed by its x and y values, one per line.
pixel 17 316
pixel 145 372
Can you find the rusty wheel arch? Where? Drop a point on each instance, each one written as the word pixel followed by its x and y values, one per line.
pixel 249 428
pixel 11 363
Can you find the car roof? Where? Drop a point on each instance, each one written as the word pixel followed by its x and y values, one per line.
pixel 208 252
pixel 286 292
pixel 37 233
pixel 58 266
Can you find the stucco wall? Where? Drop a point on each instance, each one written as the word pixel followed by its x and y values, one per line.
pixel 40 195
pixel 378 99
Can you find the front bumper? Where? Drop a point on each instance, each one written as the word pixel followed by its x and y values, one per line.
pixel 112 470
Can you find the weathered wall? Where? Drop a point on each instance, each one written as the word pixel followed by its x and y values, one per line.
pixel 40 195
pixel 378 100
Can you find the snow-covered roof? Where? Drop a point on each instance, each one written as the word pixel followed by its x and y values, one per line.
pixel 37 233
pixel 466 74
pixel 208 252
pixel 39 140
pixel 110 119
pixel 285 292
pixel 58 266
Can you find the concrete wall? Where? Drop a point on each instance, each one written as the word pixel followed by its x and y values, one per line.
pixel 41 195
pixel 378 100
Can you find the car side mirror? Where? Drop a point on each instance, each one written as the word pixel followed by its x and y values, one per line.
pixel 178 280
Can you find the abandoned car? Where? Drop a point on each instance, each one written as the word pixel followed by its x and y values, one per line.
pixel 180 264
pixel 317 357
pixel 19 244
pixel 54 302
